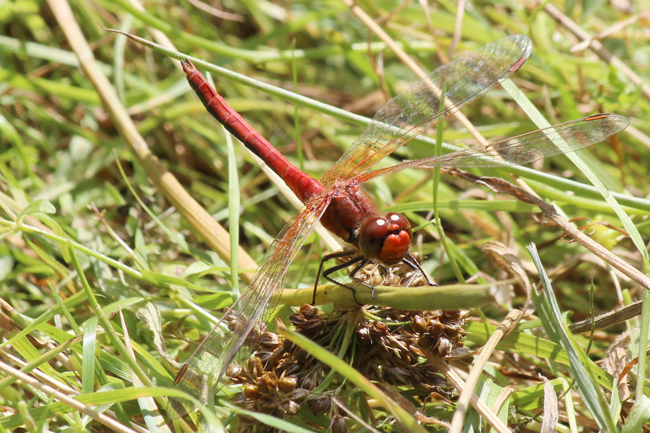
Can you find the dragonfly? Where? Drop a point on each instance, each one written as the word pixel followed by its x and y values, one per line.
pixel 338 201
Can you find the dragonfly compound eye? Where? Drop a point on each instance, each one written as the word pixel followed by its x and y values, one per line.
pixel 386 239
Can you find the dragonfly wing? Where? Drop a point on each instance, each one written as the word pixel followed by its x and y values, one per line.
pixel 204 371
pixel 406 115
pixel 522 149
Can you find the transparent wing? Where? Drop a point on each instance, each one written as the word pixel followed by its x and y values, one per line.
pixel 406 115
pixel 522 149
pixel 202 373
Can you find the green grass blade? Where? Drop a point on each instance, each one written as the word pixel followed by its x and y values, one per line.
pixel 549 312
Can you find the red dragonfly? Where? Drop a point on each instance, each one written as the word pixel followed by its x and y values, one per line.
pixel 344 209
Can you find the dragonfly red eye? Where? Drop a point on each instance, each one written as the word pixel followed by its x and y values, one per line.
pixel 398 221
pixel 386 239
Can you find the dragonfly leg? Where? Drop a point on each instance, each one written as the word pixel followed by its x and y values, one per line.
pixel 410 260
pixel 353 273
pixel 333 269
pixel 326 258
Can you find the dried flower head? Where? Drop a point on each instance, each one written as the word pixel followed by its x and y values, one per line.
pixel 390 347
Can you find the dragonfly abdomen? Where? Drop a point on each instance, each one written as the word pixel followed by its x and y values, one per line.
pixel 303 185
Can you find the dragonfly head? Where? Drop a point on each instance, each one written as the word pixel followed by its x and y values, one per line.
pixel 385 238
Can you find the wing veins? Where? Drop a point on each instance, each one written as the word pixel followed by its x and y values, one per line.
pixel 253 303
pixel 418 103
pixel 521 149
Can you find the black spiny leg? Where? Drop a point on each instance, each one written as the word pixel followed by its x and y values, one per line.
pixel 410 260
pixel 326 258
pixel 353 273
pixel 333 269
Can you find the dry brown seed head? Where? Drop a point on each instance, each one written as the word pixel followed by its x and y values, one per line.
pixel 251 391
pixel 288 345
pixel 452 315
pixel 276 357
pixel 255 367
pixel 312 327
pixel 435 327
pixel 254 335
pixel 233 370
pixel 264 355
pixel 292 368
pixel 309 311
pixel 268 382
pixel 427 343
pixel 234 321
pixel 269 339
pixel 298 394
pixel 338 425
pixel 320 405
pixel 289 407
pixel 297 319
pixel 445 347
pixel 457 327
pixel 419 324
pixel 308 383
pixel 267 405
pixel 287 384
pixel 302 356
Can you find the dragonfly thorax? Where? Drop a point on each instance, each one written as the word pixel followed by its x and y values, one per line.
pixel 385 239
pixel 349 205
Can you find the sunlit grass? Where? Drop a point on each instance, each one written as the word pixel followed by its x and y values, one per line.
pixel 105 305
